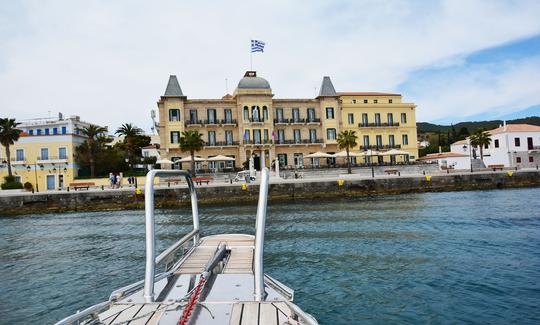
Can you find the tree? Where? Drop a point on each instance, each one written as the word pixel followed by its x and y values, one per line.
pixel 480 138
pixel 191 141
pixel 130 132
pixel 90 150
pixel 347 140
pixel 8 135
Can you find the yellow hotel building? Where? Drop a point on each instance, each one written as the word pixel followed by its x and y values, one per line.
pixel 251 122
pixel 44 155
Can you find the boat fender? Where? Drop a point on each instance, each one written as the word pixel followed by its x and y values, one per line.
pixel 138 191
pixel 244 187
pixel 510 173
pixel 428 178
pixel 340 182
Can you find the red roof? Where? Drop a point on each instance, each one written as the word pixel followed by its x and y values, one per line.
pixel 516 128
pixel 439 155
pixel 368 93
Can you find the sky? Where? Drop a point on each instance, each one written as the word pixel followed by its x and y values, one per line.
pixel 109 61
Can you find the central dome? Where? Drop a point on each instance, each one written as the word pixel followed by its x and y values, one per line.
pixel 251 81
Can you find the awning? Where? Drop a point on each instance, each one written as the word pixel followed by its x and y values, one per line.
pixel 220 158
pixel 188 159
pixel 344 154
pixel 164 161
pixel 370 153
pixel 319 154
pixel 394 152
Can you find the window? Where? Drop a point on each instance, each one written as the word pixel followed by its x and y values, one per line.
pixel 350 118
pixel 265 113
pixel 19 155
pixel 354 101
pixel 246 136
pixel 228 116
pixel 391 141
pixel 517 142
pixel 44 154
pixel 378 138
pixel 496 143
pixel 64 130
pixel 281 136
pixel 377 119
pixel 330 113
pixel 266 135
pixel 296 114
pixel 229 137
pixel 38 131
pixel 211 115
pixel 311 114
pixel 282 158
pixel 366 141
pixel 531 159
pixel 62 153
pixel 193 116
pixel 246 113
pixel 403 118
pixel 255 114
pixel 212 138
pixel 375 101
pixel 313 135
pixel 297 138
pixel 174 115
pixel 405 139
pixel 365 101
pixel 31 132
pixel 175 136
pixel 390 118
pixel 55 131
pixel 389 101
pixel 279 114
pixel 298 160
pixel 518 160
pixel 364 119
pixel 257 136
pixel 331 134
pixel 46 131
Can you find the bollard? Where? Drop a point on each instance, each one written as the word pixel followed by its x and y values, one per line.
pixel 423 172
pixel 168 184
pixel 244 186
pixel 340 182
pixel 68 188
pixel 399 173
pixel 102 187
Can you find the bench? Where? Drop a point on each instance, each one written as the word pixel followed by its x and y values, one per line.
pixel 81 185
pixel 200 180
pixel 391 171
pixel 495 167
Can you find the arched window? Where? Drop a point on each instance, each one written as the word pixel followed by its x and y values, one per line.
pixel 265 113
pixel 246 113
pixel 255 113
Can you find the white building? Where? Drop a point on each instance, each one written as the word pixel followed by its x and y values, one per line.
pixel 449 160
pixel 512 145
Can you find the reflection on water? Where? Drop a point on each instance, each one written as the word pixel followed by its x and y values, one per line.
pixel 462 257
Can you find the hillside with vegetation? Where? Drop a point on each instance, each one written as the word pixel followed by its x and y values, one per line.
pixel 444 135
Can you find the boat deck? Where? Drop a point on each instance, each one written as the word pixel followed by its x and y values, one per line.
pixel 229 299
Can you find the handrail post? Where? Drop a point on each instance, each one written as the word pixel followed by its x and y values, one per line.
pixel 149 273
pixel 259 236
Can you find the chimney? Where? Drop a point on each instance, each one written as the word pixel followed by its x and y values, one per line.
pixel 504 125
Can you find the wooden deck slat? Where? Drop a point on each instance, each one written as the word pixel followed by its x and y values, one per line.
pixel 147 311
pixel 128 314
pixel 236 314
pixel 268 315
pixel 250 316
pixel 108 316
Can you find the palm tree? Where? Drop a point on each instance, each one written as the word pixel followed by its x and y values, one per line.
pixel 346 140
pixel 191 141
pixel 8 135
pixel 480 138
pixel 129 131
pixel 93 133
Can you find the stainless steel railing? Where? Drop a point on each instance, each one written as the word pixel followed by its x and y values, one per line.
pixel 260 224
pixel 151 260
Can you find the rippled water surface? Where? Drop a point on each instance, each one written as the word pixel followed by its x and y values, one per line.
pixel 461 257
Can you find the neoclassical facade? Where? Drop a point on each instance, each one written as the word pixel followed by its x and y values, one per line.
pixel 251 122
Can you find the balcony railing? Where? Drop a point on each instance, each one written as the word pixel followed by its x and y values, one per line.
pixel 211 122
pixel 298 141
pixel 229 122
pixel 222 143
pixel 281 121
pixel 256 120
pixel 52 157
pixel 257 142
pixel 384 146
pixel 377 125
pixel 313 120
pixel 194 122
pixel 297 121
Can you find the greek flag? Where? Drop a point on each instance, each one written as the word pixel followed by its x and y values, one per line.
pixel 257 46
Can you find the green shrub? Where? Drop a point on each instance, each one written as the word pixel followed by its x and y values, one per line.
pixel 11 184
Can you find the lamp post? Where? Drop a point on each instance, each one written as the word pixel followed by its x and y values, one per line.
pixel 470 153
pixel 28 168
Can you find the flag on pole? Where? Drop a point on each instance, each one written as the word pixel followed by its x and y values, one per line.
pixel 257 46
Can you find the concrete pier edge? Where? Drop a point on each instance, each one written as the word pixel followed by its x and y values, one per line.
pixel 58 202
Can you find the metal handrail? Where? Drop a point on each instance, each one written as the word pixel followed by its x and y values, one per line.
pixel 174 247
pixel 148 292
pixel 258 267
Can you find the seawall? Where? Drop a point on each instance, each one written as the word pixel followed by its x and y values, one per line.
pixel 98 200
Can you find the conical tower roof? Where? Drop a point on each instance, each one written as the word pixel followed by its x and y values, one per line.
pixel 327 88
pixel 173 88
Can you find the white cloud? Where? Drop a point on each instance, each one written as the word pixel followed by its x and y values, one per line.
pixel 109 61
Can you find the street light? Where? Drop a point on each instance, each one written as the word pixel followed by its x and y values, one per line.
pixel 470 153
pixel 28 168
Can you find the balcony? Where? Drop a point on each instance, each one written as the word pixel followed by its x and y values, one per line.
pixel 256 120
pixel 211 122
pixel 278 121
pixel 51 159
pixel 297 121
pixel 15 161
pixel 378 125
pixel 194 123
pixel 229 122
pixel 313 120
pixel 257 142
pixel 298 141
pixel 381 147
pixel 222 144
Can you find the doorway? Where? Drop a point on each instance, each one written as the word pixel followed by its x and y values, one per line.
pixel 50 182
pixel 60 182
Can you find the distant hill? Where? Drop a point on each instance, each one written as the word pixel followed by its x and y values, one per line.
pixel 424 127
